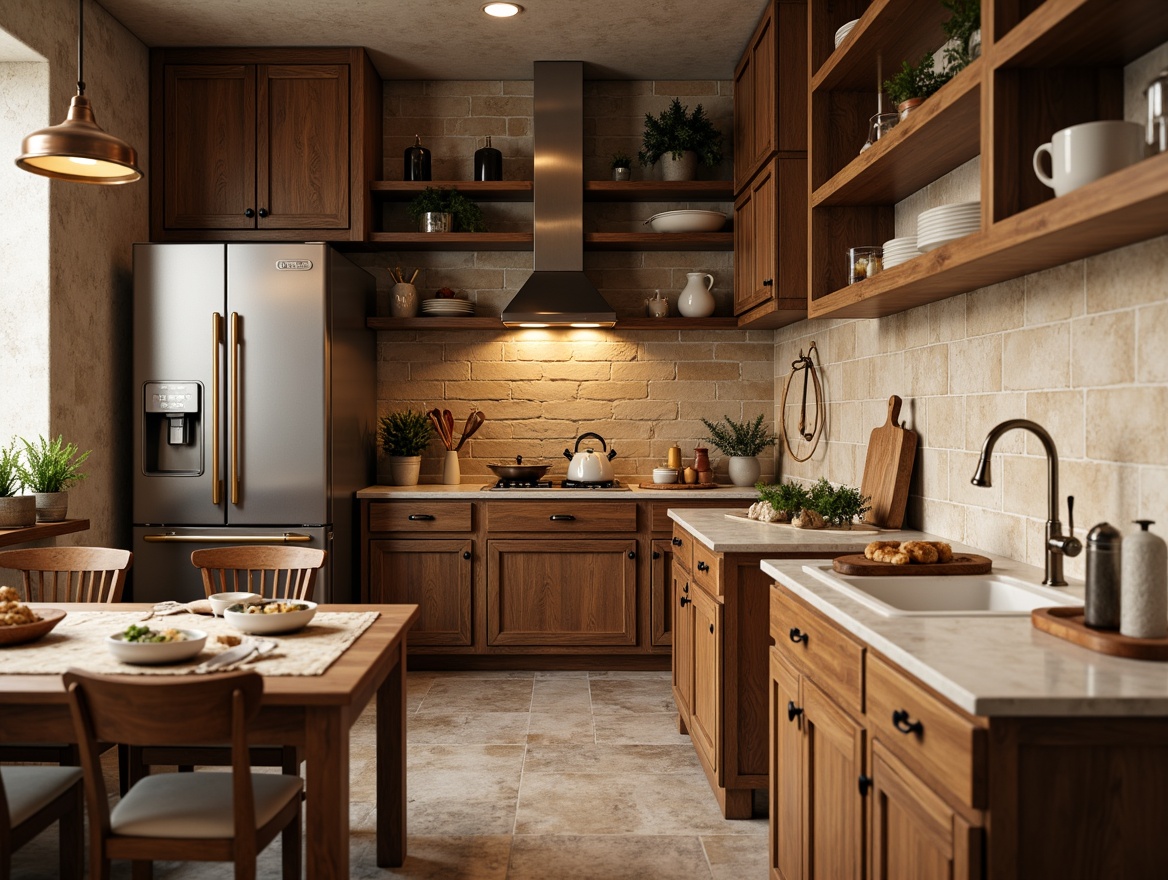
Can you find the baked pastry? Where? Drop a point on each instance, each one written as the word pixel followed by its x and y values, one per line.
pixel 920 551
pixel 895 556
pixel 871 549
pixel 944 551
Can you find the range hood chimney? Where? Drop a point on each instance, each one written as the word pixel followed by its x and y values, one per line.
pixel 558 293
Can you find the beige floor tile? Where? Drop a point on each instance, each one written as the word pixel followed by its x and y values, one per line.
pixel 625 857
pixel 467 727
pixel 733 857
pixel 610 759
pixel 462 790
pixel 631 696
pixel 632 675
pixel 476 695
pixel 561 728
pixel 440 857
pixel 417 686
pixel 659 728
pixel 562 673
pixel 561 695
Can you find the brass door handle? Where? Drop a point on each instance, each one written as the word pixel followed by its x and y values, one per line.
pixel 235 386
pixel 216 341
pixel 172 538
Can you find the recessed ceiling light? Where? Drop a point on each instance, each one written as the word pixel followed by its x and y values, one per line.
pixel 502 10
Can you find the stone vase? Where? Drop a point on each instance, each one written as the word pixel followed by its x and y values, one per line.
pixel 435 221
pixel 679 169
pixel 744 470
pixel 51 506
pixel 404 470
pixel 17 511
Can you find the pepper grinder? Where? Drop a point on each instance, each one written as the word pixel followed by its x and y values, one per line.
pixel 416 161
pixel 1101 608
pixel 1143 599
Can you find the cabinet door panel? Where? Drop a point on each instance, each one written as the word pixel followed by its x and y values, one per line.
pixel 562 592
pixel 762 101
pixel 209 163
pixel 435 575
pixel 661 591
pixel 706 726
pixel 786 769
pixel 303 146
pixel 833 807
pixel 743 120
pixel 683 645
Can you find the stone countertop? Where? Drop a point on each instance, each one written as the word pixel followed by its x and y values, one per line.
pixel 733 495
pixel 994 665
pixel 724 535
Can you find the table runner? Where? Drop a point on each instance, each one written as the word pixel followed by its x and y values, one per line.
pixel 78 641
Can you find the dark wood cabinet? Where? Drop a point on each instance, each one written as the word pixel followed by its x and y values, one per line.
pixel 661 610
pixel 263 144
pixel 435 574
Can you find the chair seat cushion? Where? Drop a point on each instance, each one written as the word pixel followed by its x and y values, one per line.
pixel 31 788
pixel 196 805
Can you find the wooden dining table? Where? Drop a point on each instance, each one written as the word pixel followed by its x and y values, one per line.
pixel 315 712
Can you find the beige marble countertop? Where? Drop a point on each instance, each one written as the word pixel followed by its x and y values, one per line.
pixel 994 665
pixel 724 535
pixel 468 490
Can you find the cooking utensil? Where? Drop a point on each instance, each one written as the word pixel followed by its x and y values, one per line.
pixel 440 425
pixel 589 466
pixel 448 422
pixel 519 471
pixel 888 468
pixel 473 422
pixel 233 657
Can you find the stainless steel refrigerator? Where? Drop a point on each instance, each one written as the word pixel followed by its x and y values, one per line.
pixel 254 407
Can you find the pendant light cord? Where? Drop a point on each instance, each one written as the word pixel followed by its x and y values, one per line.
pixel 80 47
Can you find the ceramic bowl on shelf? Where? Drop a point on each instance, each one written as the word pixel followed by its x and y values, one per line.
pixel 842 33
pixel 687 221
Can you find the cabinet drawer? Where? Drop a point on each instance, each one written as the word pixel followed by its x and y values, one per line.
pixel 683 548
pixel 420 516
pixel 707 570
pixel 818 649
pixel 566 516
pixel 925 732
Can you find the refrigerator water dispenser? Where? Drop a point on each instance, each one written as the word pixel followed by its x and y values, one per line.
pixel 172 421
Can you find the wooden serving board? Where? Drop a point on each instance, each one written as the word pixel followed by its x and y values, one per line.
pixel 962 563
pixel 683 486
pixel 888 468
pixel 861 528
pixel 1066 622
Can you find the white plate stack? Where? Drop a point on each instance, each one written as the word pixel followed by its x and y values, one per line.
pixel 842 33
pixel 447 307
pixel 939 226
pixel 899 250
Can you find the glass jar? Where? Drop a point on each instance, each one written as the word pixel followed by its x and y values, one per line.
pixel 863 262
pixel 878 126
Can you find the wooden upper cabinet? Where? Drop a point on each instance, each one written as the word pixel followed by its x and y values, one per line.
pixel 262 144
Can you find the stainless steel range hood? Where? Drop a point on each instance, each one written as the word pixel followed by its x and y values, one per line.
pixel 558 293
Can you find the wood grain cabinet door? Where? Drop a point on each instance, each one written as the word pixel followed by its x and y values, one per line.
pixel 303 146
pixel 706 722
pixel 786 772
pixel 436 575
pixel 209 158
pixel 683 644
pixel 661 591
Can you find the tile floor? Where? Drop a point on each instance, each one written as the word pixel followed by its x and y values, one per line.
pixel 531 776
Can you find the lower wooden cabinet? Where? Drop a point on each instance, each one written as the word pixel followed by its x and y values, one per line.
pixel 661 604
pixel 705 727
pixel 435 574
pixel 683 647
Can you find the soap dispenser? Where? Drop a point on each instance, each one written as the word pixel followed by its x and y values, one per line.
pixel 1143 612
pixel 1101 606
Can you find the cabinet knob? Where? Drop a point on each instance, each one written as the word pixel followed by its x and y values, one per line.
pixel 685 588
pixel 796 636
pixel 263 212
pixel 656 554
pixel 632 554
pixel 249 213
pixel 684 600
pixel 466 554
pixel 769 282
pixel 561 517
pixel 703 567
pixel 900 722
pixel 711 629
pixel 676 542
pixel 865 784
pixel 793 711
pixel 421 517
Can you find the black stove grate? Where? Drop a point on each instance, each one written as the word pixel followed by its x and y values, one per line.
pixel 589 484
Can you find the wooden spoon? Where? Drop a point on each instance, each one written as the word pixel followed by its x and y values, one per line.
pixel 448 421
pixel 473 422
pixel 436 417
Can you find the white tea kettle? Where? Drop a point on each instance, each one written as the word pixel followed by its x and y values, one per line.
pixel 589 466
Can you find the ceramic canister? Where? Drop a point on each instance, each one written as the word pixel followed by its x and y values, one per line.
pixel 1143 596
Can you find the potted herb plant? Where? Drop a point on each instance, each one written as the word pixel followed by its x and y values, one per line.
pixel 963 29
pixel 909 87
pixel 49 468
pixel 840 506
pixel 622 167
pixel 787 499
pixel 743 442
pixel 441 209
pixel 404 436
pixel 673 134
pixel 16 511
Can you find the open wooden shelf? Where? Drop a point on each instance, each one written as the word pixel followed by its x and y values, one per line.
pixel 888 32
pixel 658 241
pixel 1085 33
pixel 494 322
pixel 486 190
pixel 8 537
pixel 658 190
pixel 711 323
pixel 452 241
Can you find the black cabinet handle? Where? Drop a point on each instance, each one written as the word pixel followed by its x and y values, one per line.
pixel 703 567
pixel 676 542
pixel 263 212
pixel 711 629
pixel 793 711
pixel 685 589
pixel 797 636
pixel 900 722
pixel 421 517
pixel 249 213
pixel 684 600
pixel 656 554
pixel 561 517
pixel 466 554
pixel 865 784
pixel 769 282
pixel 632 554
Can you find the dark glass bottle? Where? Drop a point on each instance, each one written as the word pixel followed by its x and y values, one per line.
pixel 417 161
pixel 488 163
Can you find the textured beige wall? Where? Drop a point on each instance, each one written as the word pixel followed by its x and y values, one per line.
pixel 90 231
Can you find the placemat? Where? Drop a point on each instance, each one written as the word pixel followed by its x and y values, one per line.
pixel 79 641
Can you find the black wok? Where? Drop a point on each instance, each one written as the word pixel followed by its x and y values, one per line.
pixel 519 470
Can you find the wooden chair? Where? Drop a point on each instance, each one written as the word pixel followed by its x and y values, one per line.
pixel 215 817
pixel 274 572
pixel 70 574
pixel 32 799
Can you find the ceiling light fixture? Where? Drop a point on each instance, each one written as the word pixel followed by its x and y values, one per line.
pixel 78 149
pixel 502 10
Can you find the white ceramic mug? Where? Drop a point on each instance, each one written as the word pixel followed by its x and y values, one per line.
pixel 1083 153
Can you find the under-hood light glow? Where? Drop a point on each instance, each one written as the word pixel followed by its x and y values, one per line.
pixel 502 10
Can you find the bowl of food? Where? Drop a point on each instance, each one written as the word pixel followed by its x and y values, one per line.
pixel 687 221
pixel 277 616
pixel 20 624
pixel 143 646
pixel 664 475
pixel 220 602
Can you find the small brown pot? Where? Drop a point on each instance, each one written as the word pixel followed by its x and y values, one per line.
pixel 51 506
pixel 17 511
pixel 906 107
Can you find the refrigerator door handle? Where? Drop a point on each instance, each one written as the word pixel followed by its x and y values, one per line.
pixel 235 387
pixel 216 341
pixel 173 538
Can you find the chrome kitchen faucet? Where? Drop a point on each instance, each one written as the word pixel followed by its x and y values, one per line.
pixel 1057 544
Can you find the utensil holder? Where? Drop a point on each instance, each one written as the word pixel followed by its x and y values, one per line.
pixel 451 472
pixel 403 300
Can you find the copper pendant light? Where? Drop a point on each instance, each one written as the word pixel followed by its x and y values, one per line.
pixel 78 149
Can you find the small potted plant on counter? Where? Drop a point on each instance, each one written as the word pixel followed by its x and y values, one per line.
pixel 50 467
pixel 909 86
pixel 680 139
pixel 440 209
pixel 837 506
pixel 780 503
pixel 622 167
pixel 404 436
pixel 742 442
pixel 16 511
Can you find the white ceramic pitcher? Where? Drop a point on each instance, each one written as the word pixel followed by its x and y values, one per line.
pixel 695 300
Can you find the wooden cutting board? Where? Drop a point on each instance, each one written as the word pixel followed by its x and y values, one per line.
pixel 962 563
pixel 888 469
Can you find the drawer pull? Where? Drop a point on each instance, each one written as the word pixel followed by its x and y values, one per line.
pixel 900 722
pixel 421 517
pixel 796 636
pixel 702 566
pixel 865 784
pixel 676 542
pixel 711 629
pixel 632 554
pixel 562 517
pixel 793 711
pixel 466 554
pixel 684 600
pixel 656 554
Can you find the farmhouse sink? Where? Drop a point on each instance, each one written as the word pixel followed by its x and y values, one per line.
pixel 982 595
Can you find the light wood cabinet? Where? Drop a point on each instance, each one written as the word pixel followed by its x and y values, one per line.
pixel 705 725
pixel 435 574
pixel 683 647
pixel 262 144
pixel 661 609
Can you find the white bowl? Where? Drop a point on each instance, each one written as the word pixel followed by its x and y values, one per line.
pixel 220 602
pixel 155 653
pixel 664 475
pixel 687 221
pixel 264 624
